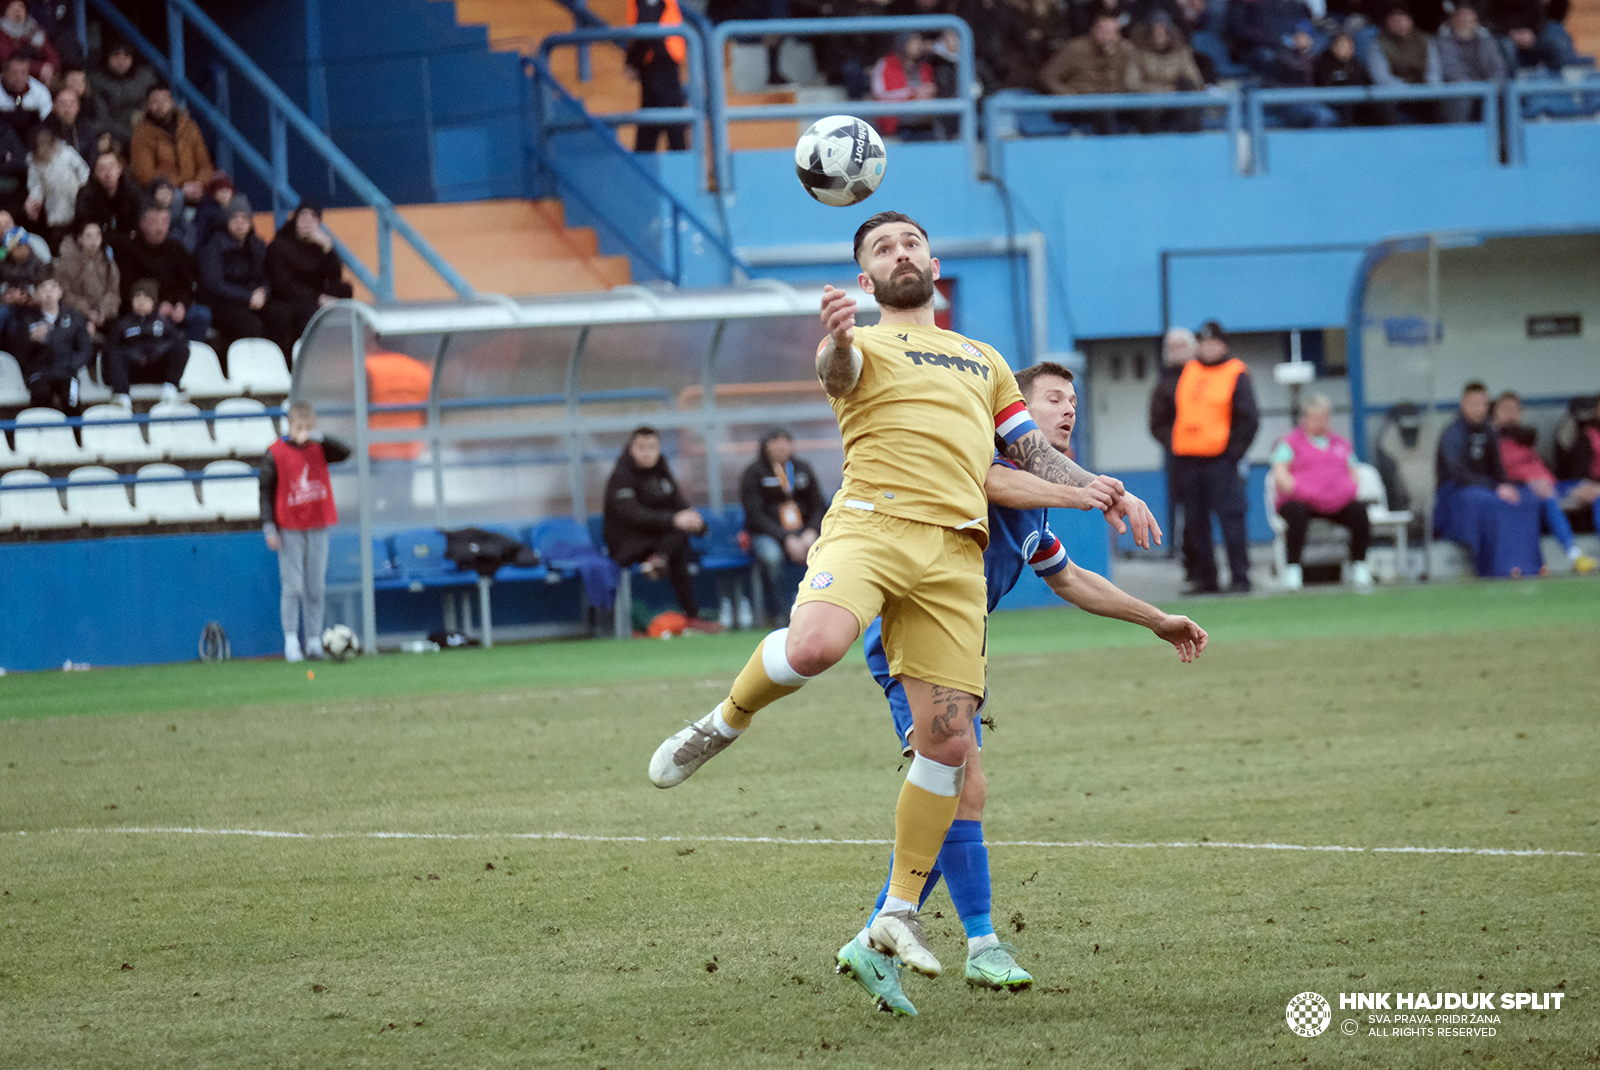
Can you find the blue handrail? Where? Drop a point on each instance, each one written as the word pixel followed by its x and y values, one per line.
pixel 722 113
pixel 141 418
pixel 1261 99
pixel 283 113
pixel 62 483
pixel 1000 104
pixel 544 82
pixel 694 113
pixel 1520 90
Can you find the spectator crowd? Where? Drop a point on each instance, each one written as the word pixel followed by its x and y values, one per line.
pixel 1071 47
pixel 108 191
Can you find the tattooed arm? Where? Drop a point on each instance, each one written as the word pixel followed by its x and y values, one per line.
pixel 838 360
pixel 1033 454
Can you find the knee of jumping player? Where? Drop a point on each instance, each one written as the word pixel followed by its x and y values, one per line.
pixel 819 635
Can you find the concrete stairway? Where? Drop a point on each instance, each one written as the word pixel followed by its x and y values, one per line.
pixel 509 247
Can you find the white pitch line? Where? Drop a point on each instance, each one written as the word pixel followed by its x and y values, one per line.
pixel 1536 852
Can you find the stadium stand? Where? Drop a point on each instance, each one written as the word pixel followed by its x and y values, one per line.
pixel 227 494
pixel 111 438
pixel 257 366
pixel 177 434
pixel 164 495
pixel 29 502
pixel 249 432
pixel 202 376
pixel 43 437
pixel 13 390
pixel 102 502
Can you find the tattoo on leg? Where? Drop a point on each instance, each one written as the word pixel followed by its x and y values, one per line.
pixel 954 717
pixel 1033 454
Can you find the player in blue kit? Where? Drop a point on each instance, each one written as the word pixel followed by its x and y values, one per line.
pixel 1019 537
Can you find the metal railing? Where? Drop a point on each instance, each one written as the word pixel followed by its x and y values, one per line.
pixel 997 107
pixel 283 114
pixel 963 105
pixel 1523 89
pixel 693 114
pixel 681 218
pixel 1258 100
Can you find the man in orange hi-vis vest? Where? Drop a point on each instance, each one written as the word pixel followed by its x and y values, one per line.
pixel 1212 412
pixel 396 379
pixel 656 63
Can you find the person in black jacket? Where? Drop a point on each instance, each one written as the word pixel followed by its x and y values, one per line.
pixel 233 277
pixel 144 344
pixel 52 343
pixel 111 199
pixel 1177 350
pixel 304 273
pixel 648 520
pixel 153 254
pixel 783 507
pixel 1475 503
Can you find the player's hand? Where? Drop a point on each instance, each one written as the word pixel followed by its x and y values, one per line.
pixel 273 542
pixel 689 520
pixel 839 317
pixel 1130 513
pixel 1184 634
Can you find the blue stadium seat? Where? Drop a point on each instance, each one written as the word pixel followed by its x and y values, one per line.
pixel 719 546
pixel 515 573
pixel 344 560
pixel 419 557
pixel 549 536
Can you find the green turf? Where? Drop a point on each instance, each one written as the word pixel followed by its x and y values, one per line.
pixel 1456 717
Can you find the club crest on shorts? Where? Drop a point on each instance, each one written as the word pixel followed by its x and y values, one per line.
pixel 821 580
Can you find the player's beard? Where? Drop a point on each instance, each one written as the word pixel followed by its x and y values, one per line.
pixel 907 287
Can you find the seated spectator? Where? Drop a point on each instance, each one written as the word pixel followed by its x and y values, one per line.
pixel 153 254
pixel 1081 14
pixel 161 191
pixel 120 86
pixel 55 175
pixel 1401 55
pixel 21 33
pixel 20 273
pixel 212 215
pixel 233 277
pixel 51 343
pixel 1313 472
pixel 1097 62
pixel 24 100
pixel 905 74
pixel 90 281
pixel 1523 465
pixel 109 198
pixel 1476 505
pixel 13 169
pixel 1163 63
pixel 167 143
pixel 144 347
pixel 1340 66
pixel 1002 52
pixel 1467 53
pixel 1295 68
pixel 1259 31
pixel 1533 39
pixel 648 520
pixel 76 80
pixel 71 127
pixel 783 507
pixel 304 273
pixel 40 248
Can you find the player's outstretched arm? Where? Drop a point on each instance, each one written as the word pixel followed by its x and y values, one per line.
pixel 838 359
pixel 1094 593
pixel 1013 488
pixel 1033 453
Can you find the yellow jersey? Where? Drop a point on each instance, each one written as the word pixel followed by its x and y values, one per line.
pixel 919 428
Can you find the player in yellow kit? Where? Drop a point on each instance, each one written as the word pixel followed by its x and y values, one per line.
pixel 920 410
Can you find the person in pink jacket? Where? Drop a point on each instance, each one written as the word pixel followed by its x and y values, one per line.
pixel 1313 471
pixel 1521 460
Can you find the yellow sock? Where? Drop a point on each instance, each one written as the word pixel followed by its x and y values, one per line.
pixel 921 821
pixel 765 679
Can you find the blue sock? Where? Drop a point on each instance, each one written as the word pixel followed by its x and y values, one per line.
pixel 927 889
pixel 965 862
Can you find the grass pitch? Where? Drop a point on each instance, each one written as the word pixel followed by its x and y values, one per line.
pixel 1453 718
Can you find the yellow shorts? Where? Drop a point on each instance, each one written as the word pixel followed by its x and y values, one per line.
pixel 926 582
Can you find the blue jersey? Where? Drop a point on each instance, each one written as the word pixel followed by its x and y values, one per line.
pixel 1018 539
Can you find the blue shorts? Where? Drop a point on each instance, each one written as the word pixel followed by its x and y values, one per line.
pixel 899 705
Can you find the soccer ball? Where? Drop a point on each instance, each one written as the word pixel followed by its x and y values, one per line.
pixel 340 642
pixel 839 160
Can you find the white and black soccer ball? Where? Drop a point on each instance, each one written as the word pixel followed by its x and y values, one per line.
pixel 340 642
pixel 839 160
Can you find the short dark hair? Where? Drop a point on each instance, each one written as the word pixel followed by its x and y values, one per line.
pixel 157 86
pixel 642 431
pixel 879 220
pixel 1474 387
pixel 149 205
pixel 21 55
pixel 1027 376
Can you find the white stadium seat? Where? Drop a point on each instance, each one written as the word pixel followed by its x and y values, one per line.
pixel 256 366
pixel 38 507
pixel 8 457
pixel 202 376
pixel 13 388
pixel 248 436
pixel 49 440
pixel 167 503
pixel 114 441
pixel 230 499
pixel 101 505
pixel 182 438
pixel 90 390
